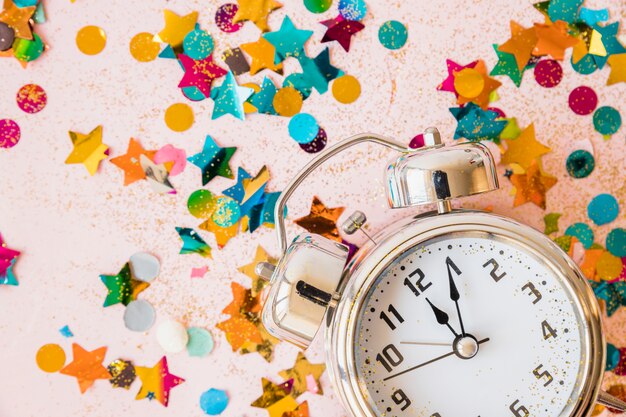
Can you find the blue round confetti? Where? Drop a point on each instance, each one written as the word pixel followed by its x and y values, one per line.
pixel 200 342
pixel 603 209
pixel 198 44
pixel 352 9
pixel 585 66
pixel 607 120
pixel 227 212
pixel 612 357
pixel 300 83
pixel 303 128
pixel 616 242
pixel 193 93
pixel 392 34
pixel 580 164
pixel 213 401
pixel 582 232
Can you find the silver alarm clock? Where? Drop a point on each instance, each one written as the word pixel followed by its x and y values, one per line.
pixel 450 313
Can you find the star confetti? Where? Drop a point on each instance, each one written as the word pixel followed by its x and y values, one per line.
pixel 157 382
pixel 322 220
pixel 229 98
pixel 524 149
pixel 130 162
pixel 613 294
pixel 288 40
pixel 122 288
pixel 521 44
pixel 553 39
pixel 258 283
pixel 193 243
pixel 200 73
pixel 17 18
pixel 256 11
pixel 272 394
pixel 341 30
pixel 476 124
pixel 301 372
pixel 507 66
pixel 88 149
pixel 618 69
pixel 86 366
pixel 8 257
pixel 176 28
pixel 453 69
pixel 213 161
pixel 301 411
pixel 474 85
pixel 262 53
pixel 532 186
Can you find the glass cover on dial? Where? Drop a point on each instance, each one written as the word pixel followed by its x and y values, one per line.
pixel 466 325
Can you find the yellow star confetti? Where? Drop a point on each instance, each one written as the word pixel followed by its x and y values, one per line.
pixel 176 28
pixel 263 54
pixel 532 186
pixel 88 149
pixel 249 269
pixel 301 372
pixel 525 149
pixel 256 11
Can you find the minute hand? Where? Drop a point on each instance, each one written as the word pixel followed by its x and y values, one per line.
pixel 454 292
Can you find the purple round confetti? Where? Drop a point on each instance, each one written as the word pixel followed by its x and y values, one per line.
pixel 224 18
pixel 417 142
pixel 548 73
pixel 317 144
pixel 9 133
pixel 583 100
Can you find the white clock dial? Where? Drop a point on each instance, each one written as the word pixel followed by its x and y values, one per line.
pixel 513 346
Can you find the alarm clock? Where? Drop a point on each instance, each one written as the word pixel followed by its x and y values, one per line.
pixel 449 313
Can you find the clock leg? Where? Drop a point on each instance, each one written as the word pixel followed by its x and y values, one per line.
pixel 610 401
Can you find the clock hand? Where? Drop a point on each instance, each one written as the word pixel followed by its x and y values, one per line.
pixel 438 358
pixel 424 343
pixel 442 317
pixel 454 292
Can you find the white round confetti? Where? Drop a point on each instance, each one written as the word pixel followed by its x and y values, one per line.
pixel 139 316
pixel 144 266
pixel 172 336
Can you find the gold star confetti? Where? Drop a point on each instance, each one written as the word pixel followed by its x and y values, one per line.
pixel 263 54
pixel 532 186
pixel 249 269
pixel 304 375
pixel 618 69
pixel 88 149
pixel 525 149
pixel 256 11
pixel 17 18
pixel 322 220
pixel 176 28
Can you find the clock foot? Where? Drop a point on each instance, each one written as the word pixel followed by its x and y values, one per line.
pixel 608 400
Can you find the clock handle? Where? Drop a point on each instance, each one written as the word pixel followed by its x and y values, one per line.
pixel 608 400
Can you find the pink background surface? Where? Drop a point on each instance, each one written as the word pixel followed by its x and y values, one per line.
pixel 72 227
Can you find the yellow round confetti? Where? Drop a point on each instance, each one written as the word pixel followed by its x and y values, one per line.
pixel 91 40
pixel 287 101
pixel 247 107
pixel 469 83
pixel 179 117
pixel 346 89
pixel 143 47
pixel 609 266
pixel 50 358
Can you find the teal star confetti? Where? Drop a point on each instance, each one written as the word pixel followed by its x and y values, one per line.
pixel 193 243
pixel 610 42
pixel 551 222
pixel 476 124
pixel 213 160
pixel 237 192
pixel 318 72
pixel 613 294
pixel 8 278
pixel 263 100
pixel 566 10
pixel 229 98
pixel 122 288
pixel 288 40
pixel 507 66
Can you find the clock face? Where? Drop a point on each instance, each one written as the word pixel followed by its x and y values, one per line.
pixel 467 325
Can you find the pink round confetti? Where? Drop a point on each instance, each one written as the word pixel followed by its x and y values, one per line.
pixel 583 100
pixel 548 73
pixel 224 18
pixel 31 98
pixel 169 153
pixel 9 133
pixel 417 142
pixel 500 113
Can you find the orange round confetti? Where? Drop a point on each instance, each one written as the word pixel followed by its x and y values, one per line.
pixel 91 40
pixel 346 89
pixel 179 117
pixel 248 107
pixel 287 101
pixel 143 47
pixel 609 266
pixel 469 83
pixel 50 358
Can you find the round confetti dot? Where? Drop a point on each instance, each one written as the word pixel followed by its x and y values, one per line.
pixel 50 358
pixel 417 141
pixel 582 232
pixel 616 242
pixel 317 144
pixel 607 120
pixel 612 357
pixel 583 100
pixel 346 89
pixel 303 128
pixel 139 316
pixel 122 373
pixel 580 164
pixel 143 47
pixel 179 117
pixel 144 266
pixel 609 266
pixel 392 34
pixel 193 93
pixel 287 101
pixel 200 342
pixel 201 204
pixel 9 133
pixel 172 336
pixel 352 9
pixel 27 50
pixel 198 44
pixel 174 158
pixel 31 98
pixel 603 209
pixel 213 401
pixel 317 6
pixel 548 73
pixel 7 35
pixel 585 66
pixel 300 83
pixel 227 212
pixel 224 18
pixel 91 40
pixel 469 83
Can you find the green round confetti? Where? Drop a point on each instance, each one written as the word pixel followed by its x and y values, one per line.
pixel 603 209
pixel 582 232
pixel 612 357
pixel 200 342
pixel 198 44
pixel 585 66
pixel 227 212
pixel 392 34
pixel 616 242
pixel 318 6
pixel 580 164
pixel 607 120
pixel 201 204
pixel 28 50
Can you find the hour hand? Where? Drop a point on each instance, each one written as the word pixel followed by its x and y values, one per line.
pixel 442 317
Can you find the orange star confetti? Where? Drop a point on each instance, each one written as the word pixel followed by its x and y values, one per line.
pixel 256 11
pixel 130 163
pixel 532 186
pixel 322 220
pixel 476 86
pixel 156 382
pixel 17 18
pixel 521 44
pixel 301 411
pixel 86 366
pixel 618 69
pixel 553 39
pixel 222 234
pixel 305 375
pixel 525 149
pixel 263 54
